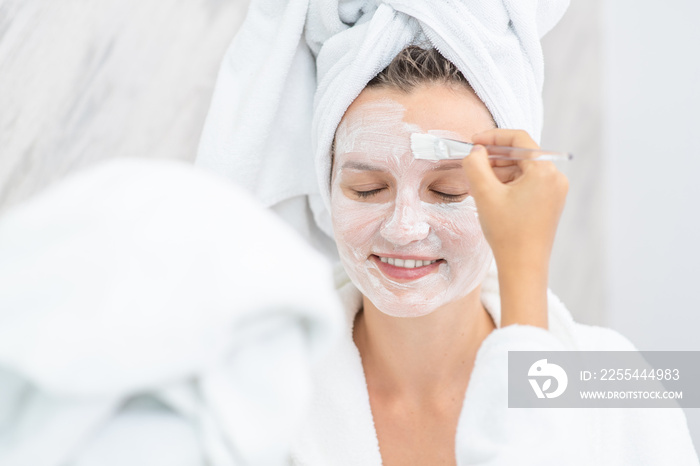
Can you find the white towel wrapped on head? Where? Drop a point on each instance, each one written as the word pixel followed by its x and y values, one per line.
pixel 295 67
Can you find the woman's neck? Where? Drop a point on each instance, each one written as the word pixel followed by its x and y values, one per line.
pixel 422 358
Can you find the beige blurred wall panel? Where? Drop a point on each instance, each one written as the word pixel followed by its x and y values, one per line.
pixel 82 81
pixel 573 121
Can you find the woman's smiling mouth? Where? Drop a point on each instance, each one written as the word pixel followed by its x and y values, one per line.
pixel 405 268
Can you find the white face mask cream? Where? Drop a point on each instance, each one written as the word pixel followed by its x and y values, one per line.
pixel 407 231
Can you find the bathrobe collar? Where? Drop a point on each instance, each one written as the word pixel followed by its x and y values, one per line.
pixel 340 426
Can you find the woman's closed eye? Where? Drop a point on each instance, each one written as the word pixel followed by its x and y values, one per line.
pixel 364 193
pixel 374 192
pixel 450 197
pixel 452 191
pixel 446 186
pixel 368 193
pixel 365 185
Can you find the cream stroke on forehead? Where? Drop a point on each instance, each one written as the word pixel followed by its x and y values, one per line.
pixel 379 129
pixel 376 129
pixel 374 136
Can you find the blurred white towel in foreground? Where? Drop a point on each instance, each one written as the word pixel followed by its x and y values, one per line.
pixel 152 314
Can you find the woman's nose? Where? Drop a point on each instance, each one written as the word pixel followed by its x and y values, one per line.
pixel 406 224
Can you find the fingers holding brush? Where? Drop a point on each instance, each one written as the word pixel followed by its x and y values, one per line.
pixel 505 138
pixel 520 201
pixel 519 217
pixel 507 171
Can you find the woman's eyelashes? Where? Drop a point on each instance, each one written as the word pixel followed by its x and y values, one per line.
pixel 445 197
pixel 450 197
pixel 367 194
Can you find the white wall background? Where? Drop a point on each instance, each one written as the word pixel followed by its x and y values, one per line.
pixel 573 122
pixel 652 162
pixel 84 81
pixel 652 158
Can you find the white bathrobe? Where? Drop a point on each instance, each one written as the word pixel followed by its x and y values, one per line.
pixel 340 429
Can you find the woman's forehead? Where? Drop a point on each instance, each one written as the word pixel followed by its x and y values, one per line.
pixel 374 126
pixel 376 134
pixel 376 129
pixel 383 119
pixel 430 106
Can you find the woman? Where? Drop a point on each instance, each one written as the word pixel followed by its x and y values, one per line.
pixel 411 241
pixel 386 206
pixel 313 111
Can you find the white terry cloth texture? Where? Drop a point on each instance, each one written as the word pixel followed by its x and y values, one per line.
pixel 340 430
pixel 295 66
pixel 152 313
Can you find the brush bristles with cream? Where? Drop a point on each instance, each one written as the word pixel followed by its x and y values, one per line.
pixel 429 147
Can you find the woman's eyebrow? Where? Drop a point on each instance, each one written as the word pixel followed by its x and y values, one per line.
pixel 372 168
pixel 362 166
pixel 448 166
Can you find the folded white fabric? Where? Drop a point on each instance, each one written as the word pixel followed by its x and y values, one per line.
pixel 295 66
pixel 152 280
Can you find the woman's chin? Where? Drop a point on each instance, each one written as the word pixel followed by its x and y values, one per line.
pixel 407 313
pixel 404 306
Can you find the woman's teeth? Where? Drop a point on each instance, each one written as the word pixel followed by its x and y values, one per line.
pixel 405 263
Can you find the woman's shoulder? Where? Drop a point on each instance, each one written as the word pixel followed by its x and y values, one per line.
pixel 582 337
pixel 595 338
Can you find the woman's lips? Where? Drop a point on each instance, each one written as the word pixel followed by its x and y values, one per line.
pixel 403 273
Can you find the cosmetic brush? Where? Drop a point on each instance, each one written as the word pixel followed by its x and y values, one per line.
pixel 429 147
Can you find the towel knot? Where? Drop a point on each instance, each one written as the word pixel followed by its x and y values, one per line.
pixel 351 12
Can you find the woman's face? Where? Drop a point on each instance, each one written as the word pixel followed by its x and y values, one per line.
pixel 407 230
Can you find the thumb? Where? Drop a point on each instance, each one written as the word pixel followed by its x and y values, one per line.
pixel 479 172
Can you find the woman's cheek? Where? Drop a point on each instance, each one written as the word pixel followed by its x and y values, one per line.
pixel 357 223
pixel 458 223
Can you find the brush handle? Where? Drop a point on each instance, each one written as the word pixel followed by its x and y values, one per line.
pixel 520 153
pixel 460 149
